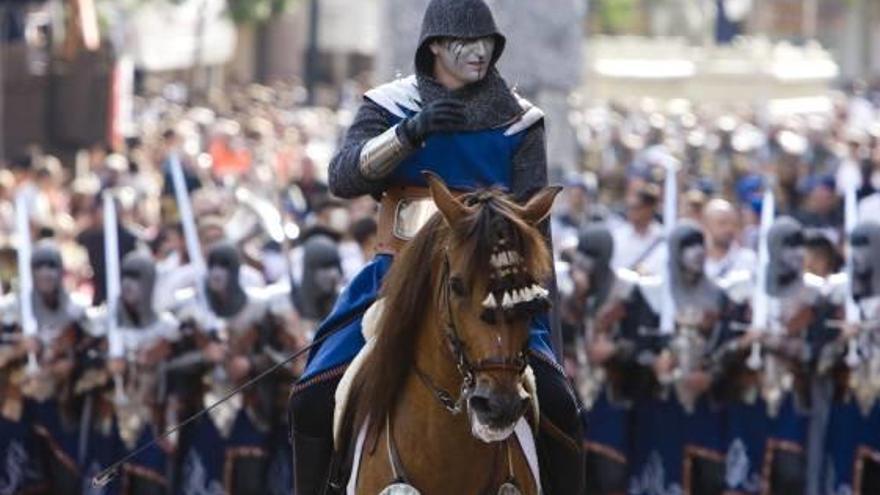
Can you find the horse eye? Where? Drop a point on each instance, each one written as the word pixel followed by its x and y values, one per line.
pixel 457 286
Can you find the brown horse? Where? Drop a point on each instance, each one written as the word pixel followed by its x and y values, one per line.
pixel 437 399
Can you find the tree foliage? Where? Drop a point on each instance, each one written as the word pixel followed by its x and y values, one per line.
pixel 247 11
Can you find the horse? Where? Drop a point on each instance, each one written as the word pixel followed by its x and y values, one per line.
pixel 439 395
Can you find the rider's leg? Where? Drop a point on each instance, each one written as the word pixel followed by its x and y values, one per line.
pixel 559 438
pixel 311 430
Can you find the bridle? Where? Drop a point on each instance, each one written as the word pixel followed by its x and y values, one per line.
pixel 467 368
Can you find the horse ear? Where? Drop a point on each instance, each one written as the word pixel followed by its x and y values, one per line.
pixel 538 208
pixel 451 208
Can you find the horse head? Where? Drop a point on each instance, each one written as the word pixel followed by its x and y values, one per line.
pixel 494 261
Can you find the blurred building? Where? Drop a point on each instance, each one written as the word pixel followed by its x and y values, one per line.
pixel 57 77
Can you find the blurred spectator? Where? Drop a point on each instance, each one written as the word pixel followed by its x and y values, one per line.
pixel 638 241
pixel 360 248
pixel 821 206
pixel 724 254
pixel 92 239
pixel 821 257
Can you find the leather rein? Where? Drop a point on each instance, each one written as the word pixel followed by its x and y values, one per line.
pixel 467 368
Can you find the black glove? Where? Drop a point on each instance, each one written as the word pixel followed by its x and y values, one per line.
pixel 443 115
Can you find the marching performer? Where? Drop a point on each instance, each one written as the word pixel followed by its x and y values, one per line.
pixel 851 363
pixel 601 358
pixel 458 118
pixel 139 341
pixel 797 315
pixel 51 326
pixel 865 246
pixel 739 359
pixel 41 397
pixel 678 426
pixel 315 294
pixel 240 333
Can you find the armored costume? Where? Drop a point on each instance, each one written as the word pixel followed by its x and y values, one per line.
pixel 738 388
pixel 798 314
pixel 678 424
pixel 851 364
pixel 594 317
pixel 139 342
pixel 480 135
pixel 313 298
pixel 231 450
pixel 43 399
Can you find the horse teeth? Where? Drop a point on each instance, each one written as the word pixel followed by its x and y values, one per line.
pixel 507 301
pixel 490 302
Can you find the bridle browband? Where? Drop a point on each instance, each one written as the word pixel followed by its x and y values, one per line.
pixel 466 367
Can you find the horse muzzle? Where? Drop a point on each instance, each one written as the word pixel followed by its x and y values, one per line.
pixel 494 410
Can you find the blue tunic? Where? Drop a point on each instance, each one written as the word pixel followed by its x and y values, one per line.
pixel 748 427
pixel 465 161
pixel 846 429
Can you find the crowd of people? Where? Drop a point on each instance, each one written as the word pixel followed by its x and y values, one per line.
pixel 81 385
pixel 206 300
pixel 703 366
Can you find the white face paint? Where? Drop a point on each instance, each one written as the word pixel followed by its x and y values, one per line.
pixel 327 279
pixel 862 260
pixel 47 278
pixel 693 258
pixel 792 258
pixel 130 291
pixel 218 279
pixel 466 60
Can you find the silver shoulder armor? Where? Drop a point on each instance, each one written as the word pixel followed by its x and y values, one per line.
pixel 627 281
pixel 815 288
pixel 9 309
pixel 382 154
pixel 651 287
pixel 738 285
pixel 95 321
pixel 530 116
pixel 279 299
pixel 837 288
pixel 399 97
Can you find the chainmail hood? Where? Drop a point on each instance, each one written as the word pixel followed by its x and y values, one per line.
pixel 225 254
pixel 456 19
pixel 311 299
pixel 489 103
pixel 46 252
pixel 596 243
pixel 784 232
pixel 868 234
pixel 701 295
pixel 141 267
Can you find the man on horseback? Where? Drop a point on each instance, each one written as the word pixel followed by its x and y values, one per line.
pixel 457 118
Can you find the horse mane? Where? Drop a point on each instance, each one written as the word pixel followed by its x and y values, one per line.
pixel 409 285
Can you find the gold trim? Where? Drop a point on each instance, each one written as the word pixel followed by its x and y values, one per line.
pixel 863 455
pixel 692 452
pixel 604 450
pixel 774 444
pixel 56 449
